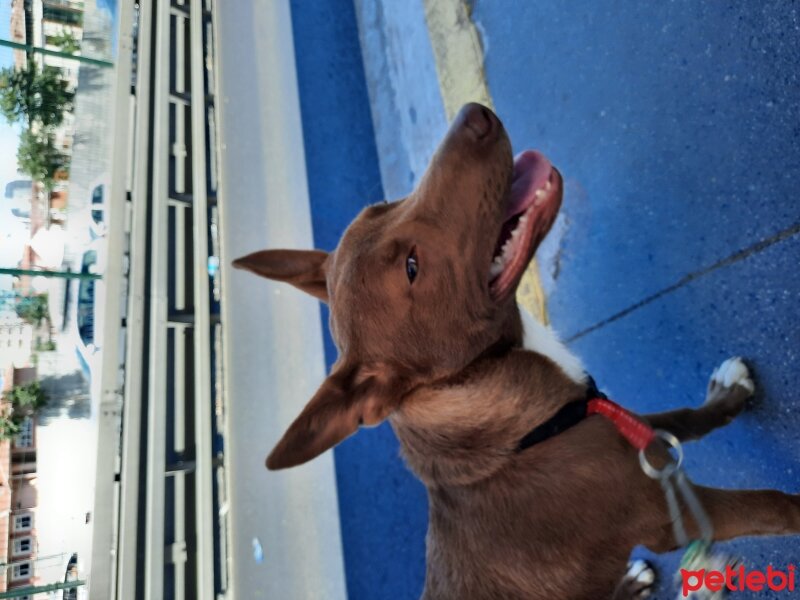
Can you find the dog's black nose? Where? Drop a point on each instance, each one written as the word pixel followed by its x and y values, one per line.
pixel 478 118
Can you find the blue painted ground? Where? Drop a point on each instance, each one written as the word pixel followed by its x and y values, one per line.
pixel 383 507
pixel 676 127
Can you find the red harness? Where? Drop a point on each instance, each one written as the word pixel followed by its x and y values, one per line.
pixel 638 433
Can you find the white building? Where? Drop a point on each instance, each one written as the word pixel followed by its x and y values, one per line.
pixel 16 340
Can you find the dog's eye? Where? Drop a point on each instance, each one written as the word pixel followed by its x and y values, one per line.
pixel 412 266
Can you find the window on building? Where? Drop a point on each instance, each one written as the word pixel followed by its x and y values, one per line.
pixel 24 438
pixel 22 570
pixel 23 522
pixel 64 16
pixel 22 546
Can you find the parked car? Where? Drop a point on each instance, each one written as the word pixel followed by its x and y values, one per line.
pixel 98 224
pixel 85 301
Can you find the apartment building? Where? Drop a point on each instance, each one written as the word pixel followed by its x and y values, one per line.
pixel 18 495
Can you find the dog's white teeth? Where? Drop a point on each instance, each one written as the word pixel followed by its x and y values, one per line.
pixel 548 186
pixel 498 264
pixel 509 248
pixel 541 193
pixel 520 225
pixel 500 261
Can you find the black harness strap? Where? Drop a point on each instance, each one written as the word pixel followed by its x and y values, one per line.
pixel 567 416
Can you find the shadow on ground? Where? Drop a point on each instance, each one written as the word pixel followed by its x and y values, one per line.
pixel 68 397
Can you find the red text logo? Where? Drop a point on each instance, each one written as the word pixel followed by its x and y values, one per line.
pixel 738 579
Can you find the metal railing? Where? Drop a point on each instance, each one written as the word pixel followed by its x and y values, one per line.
pixel 165 540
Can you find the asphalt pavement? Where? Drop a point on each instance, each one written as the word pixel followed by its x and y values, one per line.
pixel 675 125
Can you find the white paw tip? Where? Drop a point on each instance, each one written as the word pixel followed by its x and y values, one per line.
pixel 641 572
pixel 734 372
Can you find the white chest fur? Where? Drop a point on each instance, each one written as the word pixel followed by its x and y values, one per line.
pixel 542 339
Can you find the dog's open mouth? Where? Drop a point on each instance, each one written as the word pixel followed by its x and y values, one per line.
pixel 532 207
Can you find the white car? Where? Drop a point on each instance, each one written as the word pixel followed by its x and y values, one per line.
pixel 98 210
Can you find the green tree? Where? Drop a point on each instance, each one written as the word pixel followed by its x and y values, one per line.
pixel 66 41
pixel 8 428
pixel 33 309
pixel 38 157
pixel 33 96
pixel 24 401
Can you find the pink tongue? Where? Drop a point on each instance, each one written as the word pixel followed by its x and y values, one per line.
pixel 531 172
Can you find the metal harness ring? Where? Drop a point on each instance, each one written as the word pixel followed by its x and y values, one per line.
pixel 670 467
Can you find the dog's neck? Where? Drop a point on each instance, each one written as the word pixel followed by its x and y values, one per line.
pixel 542 339
pixel 467 429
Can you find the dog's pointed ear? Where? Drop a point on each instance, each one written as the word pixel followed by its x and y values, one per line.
pixel 304 269
pixel 347 399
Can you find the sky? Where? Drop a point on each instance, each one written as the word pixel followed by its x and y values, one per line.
pixel 5 19
pixel 8 135
pixel 12 233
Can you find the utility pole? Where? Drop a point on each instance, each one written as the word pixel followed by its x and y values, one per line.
pixel 43 273
pixel 30 49
pixel 53 587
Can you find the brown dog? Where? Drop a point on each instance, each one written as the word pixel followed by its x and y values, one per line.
pixel 421 293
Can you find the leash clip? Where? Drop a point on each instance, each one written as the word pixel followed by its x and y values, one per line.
pixel 673 480
pixel 667 470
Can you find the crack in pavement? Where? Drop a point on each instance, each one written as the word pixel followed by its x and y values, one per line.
pixel 732 259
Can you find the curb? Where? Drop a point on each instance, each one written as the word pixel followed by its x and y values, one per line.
pixel 458 54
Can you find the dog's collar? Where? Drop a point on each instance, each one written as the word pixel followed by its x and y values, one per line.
pixel 568 415
pixel 595 402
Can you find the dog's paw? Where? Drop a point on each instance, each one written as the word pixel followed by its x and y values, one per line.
pixel 638 583
pixel 730 386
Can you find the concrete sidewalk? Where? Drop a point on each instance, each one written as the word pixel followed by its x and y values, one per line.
pixel 675 127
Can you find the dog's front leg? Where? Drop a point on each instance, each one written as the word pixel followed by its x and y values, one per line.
pixel 737 513
pixel 729 388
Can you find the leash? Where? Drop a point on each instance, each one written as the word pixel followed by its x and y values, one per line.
pixel 671 476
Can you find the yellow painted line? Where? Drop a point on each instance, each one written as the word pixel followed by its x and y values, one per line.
pixel 459 64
